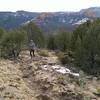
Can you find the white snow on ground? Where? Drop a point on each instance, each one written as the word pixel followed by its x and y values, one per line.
pixel 63 71
pixel 27 22
pixel 56 67
pixel 45 67
pixel 75 74
pixel 59 69
pixel 81 21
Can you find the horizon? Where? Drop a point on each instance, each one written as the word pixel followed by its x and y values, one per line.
pixel 47 5
pixel 48 11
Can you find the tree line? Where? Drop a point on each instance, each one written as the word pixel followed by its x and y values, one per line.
pixel 83 43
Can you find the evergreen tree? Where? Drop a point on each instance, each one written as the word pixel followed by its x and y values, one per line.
pixel 80 32
pixel 63 40
pixel 34 33
pixel 51 42
pixel 87 47
pixel 11 43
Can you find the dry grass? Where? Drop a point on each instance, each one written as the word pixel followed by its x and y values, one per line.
pixel 43 53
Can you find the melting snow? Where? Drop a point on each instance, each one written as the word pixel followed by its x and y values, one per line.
pixel 81 21
pixel 45 67
pixel 75 74
pixel 56 67
pixel 62 70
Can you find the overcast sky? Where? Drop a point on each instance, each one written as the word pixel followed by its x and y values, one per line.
pixel 47 5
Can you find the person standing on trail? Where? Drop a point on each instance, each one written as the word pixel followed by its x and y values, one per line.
pixel 32 48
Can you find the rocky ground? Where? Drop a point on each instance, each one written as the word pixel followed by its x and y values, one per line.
pixel 44 78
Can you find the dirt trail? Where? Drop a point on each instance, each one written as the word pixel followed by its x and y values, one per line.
pixel 33 75
pixel 41 74
pixel 46 83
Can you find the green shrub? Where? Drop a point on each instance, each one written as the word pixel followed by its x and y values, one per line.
pixel 11 43
pixel 62 40
pixel 86 47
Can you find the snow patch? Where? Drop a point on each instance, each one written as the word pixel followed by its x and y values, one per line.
pixel 60 69
pixel 75 74
pixel 27 22
pixel 71 20
pixel 81 21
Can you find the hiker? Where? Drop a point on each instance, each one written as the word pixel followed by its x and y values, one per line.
pixel 32 48
pixel 15 51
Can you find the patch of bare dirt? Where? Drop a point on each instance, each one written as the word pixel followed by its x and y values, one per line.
pixel 12 86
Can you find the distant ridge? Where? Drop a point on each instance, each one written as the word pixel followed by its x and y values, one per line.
pixel 48 21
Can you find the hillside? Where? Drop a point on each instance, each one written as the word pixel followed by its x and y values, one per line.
pixel 44 78
pixel 48 21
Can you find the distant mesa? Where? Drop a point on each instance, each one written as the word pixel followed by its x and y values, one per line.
pixel 48 21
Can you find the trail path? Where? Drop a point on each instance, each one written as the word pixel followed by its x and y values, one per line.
pixel 48 78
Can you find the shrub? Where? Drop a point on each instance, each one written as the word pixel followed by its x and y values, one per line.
pixel 98 91
pixel 62 40
pixel 11 43
pixel 65 58
pixel 43 53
